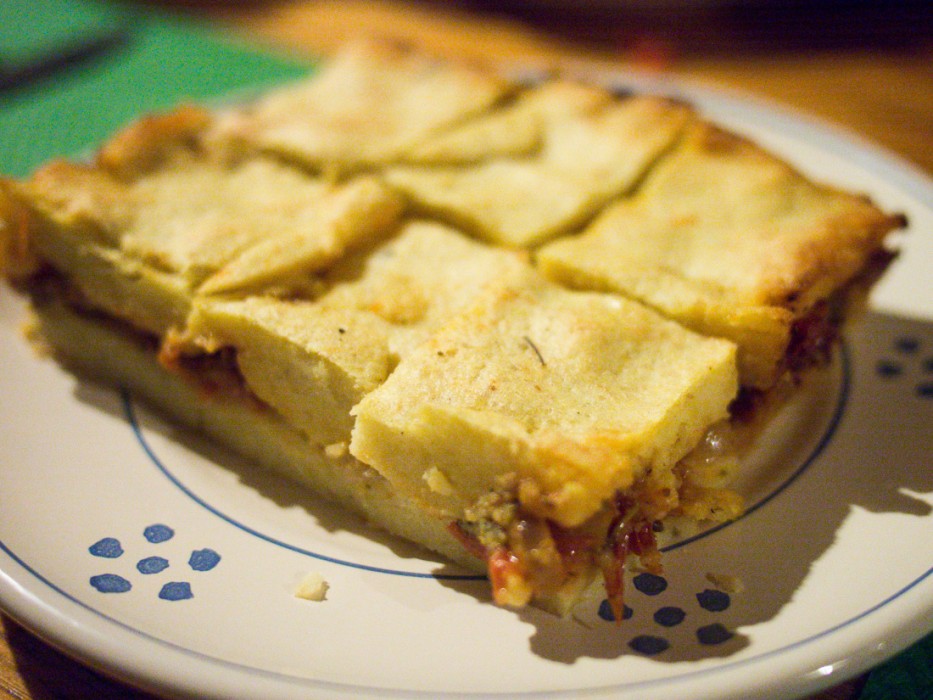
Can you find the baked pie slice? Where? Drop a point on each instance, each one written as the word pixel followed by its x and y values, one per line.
pixel 508 323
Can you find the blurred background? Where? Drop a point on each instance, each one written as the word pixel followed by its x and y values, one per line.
pixel 862 64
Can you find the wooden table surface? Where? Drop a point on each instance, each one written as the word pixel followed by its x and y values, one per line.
pixel 864 66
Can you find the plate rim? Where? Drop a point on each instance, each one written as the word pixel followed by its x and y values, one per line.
pixel 66 632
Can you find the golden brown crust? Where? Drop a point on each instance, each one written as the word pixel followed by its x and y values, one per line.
pixel 18 259
pixel 579 394
pixel 148 142
pixel 367 107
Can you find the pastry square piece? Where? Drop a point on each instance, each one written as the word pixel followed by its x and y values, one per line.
pixel 574 399
pixel 313 360
pixel 416 280
pixel 731 242
pixel 156 220
pixel 365 108
pixel 589 151
pixel 516 127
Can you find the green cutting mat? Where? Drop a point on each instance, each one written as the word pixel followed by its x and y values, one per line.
pixel 153 61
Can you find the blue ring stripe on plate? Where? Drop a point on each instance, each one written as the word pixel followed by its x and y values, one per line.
pixel 137 430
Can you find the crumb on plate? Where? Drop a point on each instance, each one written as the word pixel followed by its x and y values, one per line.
pixel 312 587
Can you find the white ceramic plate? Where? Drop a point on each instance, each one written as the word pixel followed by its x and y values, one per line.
pixel 167 563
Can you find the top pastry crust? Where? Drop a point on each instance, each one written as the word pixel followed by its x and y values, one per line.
pixel 313 360
pixel 512 129
pixel 367 107
pixel 580 394
pixel 157 220
pixel 586 155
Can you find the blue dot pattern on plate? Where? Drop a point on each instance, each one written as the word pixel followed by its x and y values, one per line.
pixel 713 600
pixel 649 645
pixel 108 548
pixel 605 612
pixel 905 351
pixel 889 368
pixel 669 615
pixel 110 583
pixel 200 560
pixel 708 632
pixel 650 584
pixel 203 559
pixel 158 533
pixel 152 565
pixel 715 633
pixel 176 590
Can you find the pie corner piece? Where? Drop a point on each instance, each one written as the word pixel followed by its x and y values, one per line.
pixel 541 416
pixel 529 404
pixel 732 241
